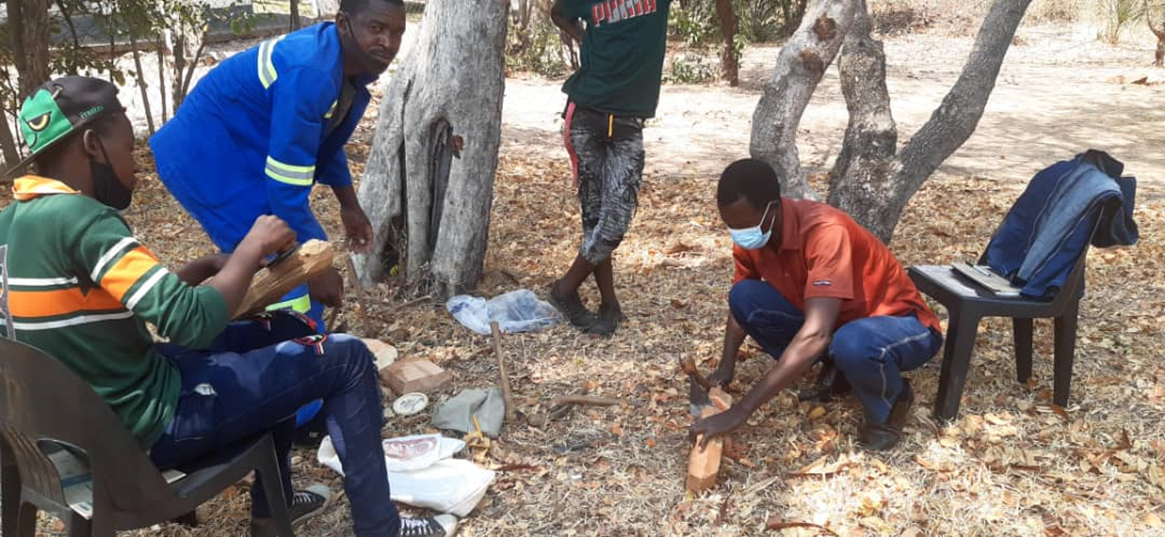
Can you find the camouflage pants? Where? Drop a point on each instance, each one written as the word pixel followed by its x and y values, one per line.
pixel 607 154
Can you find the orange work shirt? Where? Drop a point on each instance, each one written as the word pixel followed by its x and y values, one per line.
pixel 824 253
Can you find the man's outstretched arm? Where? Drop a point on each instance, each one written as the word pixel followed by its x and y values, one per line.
pixel 810 342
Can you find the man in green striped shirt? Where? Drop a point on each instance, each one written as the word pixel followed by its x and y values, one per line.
pixel 78 285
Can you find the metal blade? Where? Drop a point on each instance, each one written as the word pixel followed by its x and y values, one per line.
pixel 281 256
pixel 698 398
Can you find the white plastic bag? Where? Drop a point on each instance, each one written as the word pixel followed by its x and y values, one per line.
pixel 417 452
pixel 453 486
pixel 516 311
pixel 421 473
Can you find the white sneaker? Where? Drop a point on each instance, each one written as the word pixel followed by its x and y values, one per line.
pixel 434 526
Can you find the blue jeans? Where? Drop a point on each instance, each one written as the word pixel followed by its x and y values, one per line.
pixel 254 377
pixel 870 352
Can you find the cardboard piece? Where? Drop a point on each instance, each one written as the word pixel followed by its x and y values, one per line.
pixel 415 375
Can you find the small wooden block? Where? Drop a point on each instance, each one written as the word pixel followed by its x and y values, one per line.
pixel 704 464
pixel 385 354
pixel 415 375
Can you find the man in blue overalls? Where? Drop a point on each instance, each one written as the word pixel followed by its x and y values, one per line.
pixel 267 124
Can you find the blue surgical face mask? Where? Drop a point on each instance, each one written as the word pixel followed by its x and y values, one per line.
pixel 753 238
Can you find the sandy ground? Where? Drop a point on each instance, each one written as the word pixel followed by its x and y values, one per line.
pixel 1056 96
pixel 1052 100
pixel 1010 465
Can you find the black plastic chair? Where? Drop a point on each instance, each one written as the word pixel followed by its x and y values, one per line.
pixel 45 409
pixel 967 302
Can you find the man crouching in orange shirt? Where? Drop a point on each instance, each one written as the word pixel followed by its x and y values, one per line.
pixel 811 282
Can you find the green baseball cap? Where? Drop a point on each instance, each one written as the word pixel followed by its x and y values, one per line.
pixel 60 108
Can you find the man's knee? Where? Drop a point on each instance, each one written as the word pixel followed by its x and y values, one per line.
pixel 350 349
pixel 600 249
pixel 742 298
pixel 849 349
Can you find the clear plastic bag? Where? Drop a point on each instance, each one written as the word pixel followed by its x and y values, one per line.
pixel 516 311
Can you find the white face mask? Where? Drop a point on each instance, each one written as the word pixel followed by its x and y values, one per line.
pixel 752 238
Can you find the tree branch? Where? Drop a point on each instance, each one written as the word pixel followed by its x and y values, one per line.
pixel 72 29
pixel 800 66
pixel 162 75
pixel 194 64
pixel 143 87
pixel 957 117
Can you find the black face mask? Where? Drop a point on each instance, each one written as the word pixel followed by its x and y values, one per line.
pixel 368 64
pixel 107 188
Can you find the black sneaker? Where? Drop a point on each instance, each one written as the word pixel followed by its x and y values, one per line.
pixel 433 526
pixel 883 436
pixel 607 321
pixel 304 505
pixel 572 308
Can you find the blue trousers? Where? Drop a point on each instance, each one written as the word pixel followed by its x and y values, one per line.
pixel 254 377
pixel 870 352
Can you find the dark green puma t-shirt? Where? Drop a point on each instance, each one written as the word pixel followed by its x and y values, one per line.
pixel 622 55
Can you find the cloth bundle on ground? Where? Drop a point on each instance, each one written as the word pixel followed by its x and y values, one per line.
pixel 457 413
pixel 1051 223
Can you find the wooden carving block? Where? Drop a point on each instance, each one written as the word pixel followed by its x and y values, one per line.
pixel 271 284
pixel 415 375
pixel 704 464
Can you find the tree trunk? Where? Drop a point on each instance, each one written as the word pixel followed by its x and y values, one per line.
pixel 111 63
pixel 953 122
pixel 428 185
pixel 8 148
pixel 1155 17
pixel 28 25
pixel 161 45
pixel 800 66
pixel 179 51
pixel 143 87
pixel 729 57
pixel 524 8
pixel 862 169
pixel 295 23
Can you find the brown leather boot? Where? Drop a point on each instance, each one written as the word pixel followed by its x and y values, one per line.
pixel 883 436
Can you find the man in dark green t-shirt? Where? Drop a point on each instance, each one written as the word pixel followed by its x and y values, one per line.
pixel 610 96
